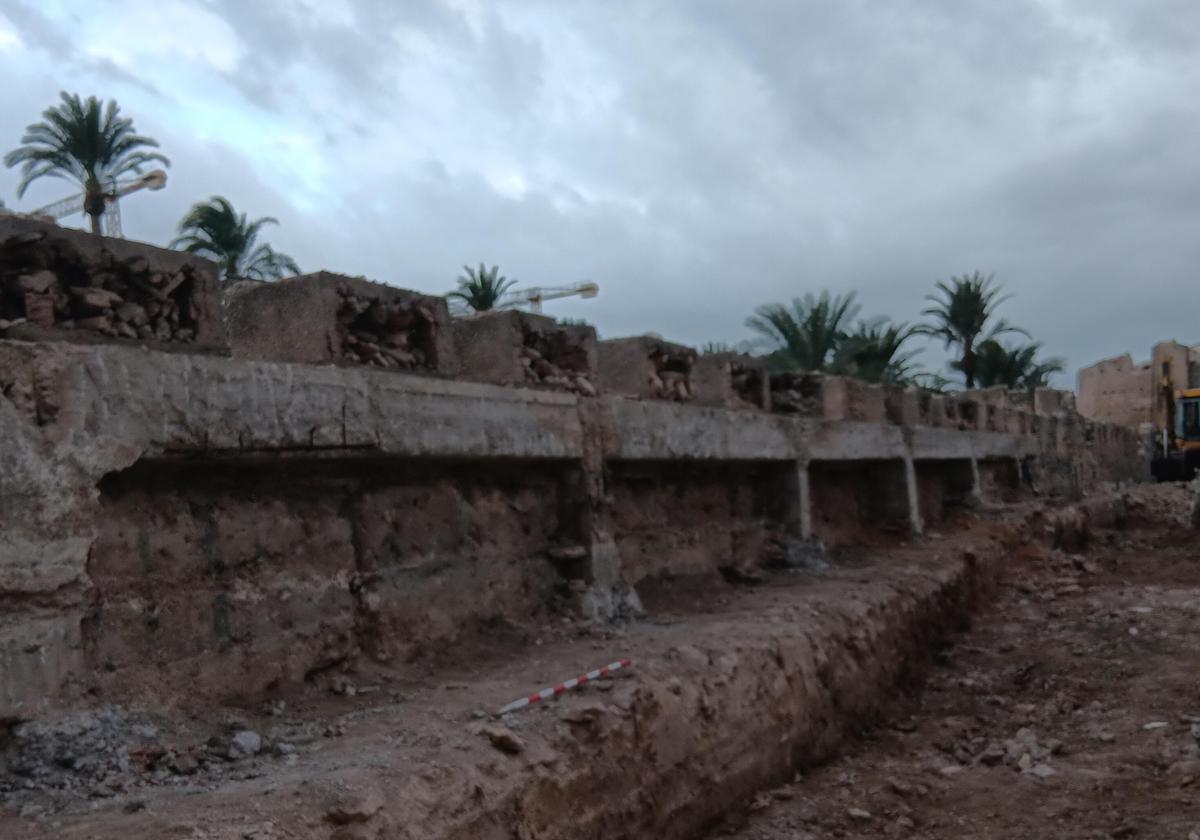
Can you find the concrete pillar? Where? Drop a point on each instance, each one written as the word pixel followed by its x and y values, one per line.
pixel 976 482
pixel 914 507
pixel 797 490
pixel 804 502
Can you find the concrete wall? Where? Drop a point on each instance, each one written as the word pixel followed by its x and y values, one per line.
pixel 326 318
pixel 191 517
pixel 238 524
pixel 508 347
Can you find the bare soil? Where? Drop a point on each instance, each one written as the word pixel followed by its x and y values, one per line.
pixel 1071 709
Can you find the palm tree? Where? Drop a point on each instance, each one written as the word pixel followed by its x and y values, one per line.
pixel 961 316
pixel 873 353
pixel 806 335
pixel 215 230
pixel 1014 367
pixel 80 141
pixel 482 288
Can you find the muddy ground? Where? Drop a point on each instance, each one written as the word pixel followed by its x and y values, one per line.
pixel 1071 709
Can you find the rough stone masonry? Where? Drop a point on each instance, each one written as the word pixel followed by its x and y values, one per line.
pixel 237 514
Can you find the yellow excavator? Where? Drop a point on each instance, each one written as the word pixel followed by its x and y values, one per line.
pixel 1177 448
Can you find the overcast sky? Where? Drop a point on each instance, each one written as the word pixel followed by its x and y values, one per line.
pixel 695 158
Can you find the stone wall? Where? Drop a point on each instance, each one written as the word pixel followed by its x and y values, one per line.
pixel 1119 391
pixel 242 523
pixel 59 284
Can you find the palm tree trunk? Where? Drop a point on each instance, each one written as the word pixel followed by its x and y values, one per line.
pixel 968 367
pixel 93 202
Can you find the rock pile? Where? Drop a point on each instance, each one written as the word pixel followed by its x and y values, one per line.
pixel 84 751
pixel 671 376
pixel 557 359
pixel 796 393
pixel 397 334
pixel 747 382
pixel 52 286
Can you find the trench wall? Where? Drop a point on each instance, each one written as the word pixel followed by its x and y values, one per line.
pixel 244 523
pixel 248 576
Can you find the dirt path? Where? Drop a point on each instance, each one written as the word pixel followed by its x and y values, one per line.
pixel 1070 710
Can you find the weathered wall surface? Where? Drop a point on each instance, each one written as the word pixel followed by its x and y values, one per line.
pixel 330 318
pixel 66 285
pixel 234 578
pixel 1117 391
pixel 236 524
pixel 183 516
pixel 684 520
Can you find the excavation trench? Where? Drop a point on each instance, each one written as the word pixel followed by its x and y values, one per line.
pixel 730 693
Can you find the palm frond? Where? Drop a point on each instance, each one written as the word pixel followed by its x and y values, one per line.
pixel 805 335
pixel 481 289
pixel 215 229
pixel 82 141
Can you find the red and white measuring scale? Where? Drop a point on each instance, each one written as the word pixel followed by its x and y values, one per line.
pixel 554 690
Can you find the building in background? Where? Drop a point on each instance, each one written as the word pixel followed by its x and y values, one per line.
pixel 1120 391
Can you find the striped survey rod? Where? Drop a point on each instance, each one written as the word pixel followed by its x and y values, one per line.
pixel 555 690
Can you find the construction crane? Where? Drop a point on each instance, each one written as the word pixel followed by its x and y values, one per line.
pixel 535 295
pixel 154 180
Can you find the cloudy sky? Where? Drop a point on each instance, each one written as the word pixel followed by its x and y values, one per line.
pixel 695 158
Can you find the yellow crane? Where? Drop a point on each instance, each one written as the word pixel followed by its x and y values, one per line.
pixel 535 295
pixel 155 180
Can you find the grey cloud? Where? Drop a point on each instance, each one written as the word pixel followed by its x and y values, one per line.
pixel 40 33
pixel 721 154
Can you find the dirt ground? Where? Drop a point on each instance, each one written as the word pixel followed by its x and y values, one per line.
pixel 1071 709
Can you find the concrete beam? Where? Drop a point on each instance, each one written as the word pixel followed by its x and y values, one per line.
pixel 657 430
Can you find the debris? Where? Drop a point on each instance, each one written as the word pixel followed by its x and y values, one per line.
pixel 245 743
pixel 397 334
pixel 346 804
pixel 1184 773
pixel 1042 771
pixel 858 814
pixel 557 357
pixel 503 739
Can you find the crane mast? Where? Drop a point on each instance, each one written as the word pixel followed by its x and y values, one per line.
pixel 155 180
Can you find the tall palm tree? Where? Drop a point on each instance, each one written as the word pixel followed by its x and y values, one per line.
pixel 873 353
pixel 215 230
pixel 964 316
pixel 1014 367
pixel 83 142
pixel 806 335
pixel 481 288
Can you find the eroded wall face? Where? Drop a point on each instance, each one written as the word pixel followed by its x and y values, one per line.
pixel 943 487
pixel 853 499
pixel 694 520
pixel 235 578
